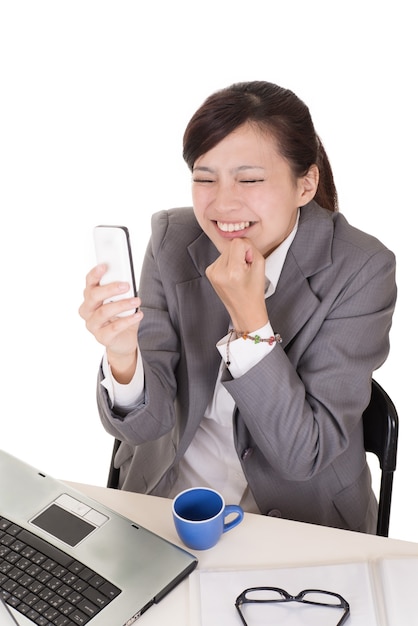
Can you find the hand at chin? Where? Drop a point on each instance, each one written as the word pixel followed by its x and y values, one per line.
pixel 238 277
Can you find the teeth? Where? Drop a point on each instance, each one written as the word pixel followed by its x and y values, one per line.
pixel 231 228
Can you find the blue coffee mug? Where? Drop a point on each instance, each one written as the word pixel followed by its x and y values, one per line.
pixel 199 517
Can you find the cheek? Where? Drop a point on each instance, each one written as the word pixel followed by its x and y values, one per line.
pixel 197 199
pixel 277 221
pixel 201 199
pixel 199 212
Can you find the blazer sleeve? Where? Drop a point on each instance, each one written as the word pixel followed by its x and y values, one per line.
pixel 147 421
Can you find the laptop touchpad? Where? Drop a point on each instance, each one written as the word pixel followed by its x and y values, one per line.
pixel 69 520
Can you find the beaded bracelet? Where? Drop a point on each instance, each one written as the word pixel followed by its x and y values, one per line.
pixel 276 338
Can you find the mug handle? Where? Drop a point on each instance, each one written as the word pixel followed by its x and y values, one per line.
pixel 232 508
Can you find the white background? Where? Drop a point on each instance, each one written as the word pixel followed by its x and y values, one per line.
pixel 94 99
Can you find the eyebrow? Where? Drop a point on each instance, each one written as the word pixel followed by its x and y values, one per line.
pixel 240 168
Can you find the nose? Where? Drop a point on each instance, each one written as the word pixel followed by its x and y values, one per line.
pixel 226 198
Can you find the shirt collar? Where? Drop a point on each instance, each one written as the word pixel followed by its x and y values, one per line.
pixel 275 261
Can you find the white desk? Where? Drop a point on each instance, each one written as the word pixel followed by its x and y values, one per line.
pixel 258 542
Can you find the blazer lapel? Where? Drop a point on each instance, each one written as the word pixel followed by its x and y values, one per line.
pixel 204 321
pixel 294 302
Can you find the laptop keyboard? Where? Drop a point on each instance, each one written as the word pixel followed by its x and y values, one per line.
pixel 47 585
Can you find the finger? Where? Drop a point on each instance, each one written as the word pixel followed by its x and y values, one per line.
pixel 244 250
pixel 91 296
pixel 109 318
pixel 111 291
pixel 95 274
pixel 94 277
pixel 95 294
pixel 121 308
pixel 108 311
pixel 249 255
pixel 119 333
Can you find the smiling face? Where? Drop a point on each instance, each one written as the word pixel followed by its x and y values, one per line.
pixel 243 187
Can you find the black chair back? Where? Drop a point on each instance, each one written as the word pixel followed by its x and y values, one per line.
pixel 381 428
pixel 113 477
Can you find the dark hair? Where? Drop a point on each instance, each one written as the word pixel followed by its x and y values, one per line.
pixel 274 109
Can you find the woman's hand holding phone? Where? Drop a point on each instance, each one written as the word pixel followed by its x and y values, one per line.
pixel 111 313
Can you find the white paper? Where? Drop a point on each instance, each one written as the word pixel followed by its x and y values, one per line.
pixel 399 590
pixel 213 595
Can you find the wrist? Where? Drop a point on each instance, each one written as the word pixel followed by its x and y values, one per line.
pixel 264 336
pixel 122 366
pixel 247 325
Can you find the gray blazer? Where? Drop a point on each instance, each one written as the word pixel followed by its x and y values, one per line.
pixel 298 417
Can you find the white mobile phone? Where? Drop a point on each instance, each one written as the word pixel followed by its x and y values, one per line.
pixel 113 248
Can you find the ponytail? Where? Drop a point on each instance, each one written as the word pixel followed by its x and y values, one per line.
pixel 326 194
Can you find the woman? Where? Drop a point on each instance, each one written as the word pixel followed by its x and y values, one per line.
pixel 263 315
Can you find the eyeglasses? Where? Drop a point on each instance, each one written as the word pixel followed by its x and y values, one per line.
pixel 274 595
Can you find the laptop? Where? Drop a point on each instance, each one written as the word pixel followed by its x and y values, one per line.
pixel 67 560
